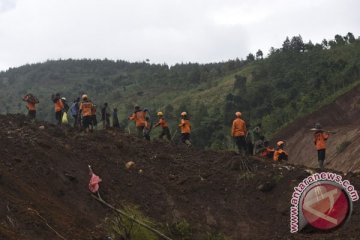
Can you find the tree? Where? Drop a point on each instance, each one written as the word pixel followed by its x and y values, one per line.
pixel 350 38
pixel 339 40
pixel 297 44
pixel 286 44
pixel 250 57
pixel 240 82
pixel 324 43
pixel 259 54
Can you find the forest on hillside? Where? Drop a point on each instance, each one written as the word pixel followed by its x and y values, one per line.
pixel 271 90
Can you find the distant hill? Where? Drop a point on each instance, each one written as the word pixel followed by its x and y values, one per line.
pixel 290 82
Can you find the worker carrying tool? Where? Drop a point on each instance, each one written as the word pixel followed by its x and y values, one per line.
pixel 238 132
pixel 138 116
pixel 31 101
pixel 185 129
pixel 320 138
pixel 164 126
pixel 280 154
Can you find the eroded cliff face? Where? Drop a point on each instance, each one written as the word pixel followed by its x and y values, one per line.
pixel 343 148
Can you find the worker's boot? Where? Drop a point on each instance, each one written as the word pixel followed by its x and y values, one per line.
pixel 188 143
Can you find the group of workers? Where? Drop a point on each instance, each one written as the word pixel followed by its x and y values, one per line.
pixel 257 144
pixel 144 125
pixel 278 154
pixel 84 113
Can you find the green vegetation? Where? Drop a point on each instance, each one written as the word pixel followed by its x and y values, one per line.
pixel 120 227
pixel 273 90
pixel 181 230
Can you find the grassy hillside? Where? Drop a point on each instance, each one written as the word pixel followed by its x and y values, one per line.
pixel 290 82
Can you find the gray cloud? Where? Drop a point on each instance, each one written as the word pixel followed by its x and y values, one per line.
pixel 168 31
pixel 6 5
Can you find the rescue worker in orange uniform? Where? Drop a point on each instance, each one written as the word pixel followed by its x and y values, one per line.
pixel 185 128
pixel 268 152
pixel 59 106
pixel 31 101
pixel 238 132
pixel 280 154
pixel 165 128
pixel 86 110
pixel 320 138
pixel 138 117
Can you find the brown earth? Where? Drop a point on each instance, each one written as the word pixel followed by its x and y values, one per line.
pixel 342 116
pixel 44 173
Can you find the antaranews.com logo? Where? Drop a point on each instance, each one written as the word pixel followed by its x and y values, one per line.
pixel 323 201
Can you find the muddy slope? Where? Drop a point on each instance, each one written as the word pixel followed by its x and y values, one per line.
pixel 342 116
pixel 44 177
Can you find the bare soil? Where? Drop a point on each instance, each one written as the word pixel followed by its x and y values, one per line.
pixel 43 172
pixel 342 116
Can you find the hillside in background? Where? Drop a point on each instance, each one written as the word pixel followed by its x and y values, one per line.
pixel 290 82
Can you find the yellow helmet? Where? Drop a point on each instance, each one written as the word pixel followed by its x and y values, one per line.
pixel 183 114
pixel 84 97
pixel 238 114
pixel 160 114
pixel 279 143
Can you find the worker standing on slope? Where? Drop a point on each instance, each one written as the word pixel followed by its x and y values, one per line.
pixel 115 119
pixel 74 111
pixel 280 154
pixel 31 101
pixel 59 106
pixel 238 132
pixel 138 117
pixel 105 115
pixel 86 107
pixel 320 138
pixel 165 128
pixel 185 128
pixel 93 117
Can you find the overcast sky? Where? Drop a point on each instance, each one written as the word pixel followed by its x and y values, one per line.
pixel 164 31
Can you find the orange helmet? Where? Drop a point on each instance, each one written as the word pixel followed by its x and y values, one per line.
pixel 183 114
pixel 238 114
pixel 279 143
